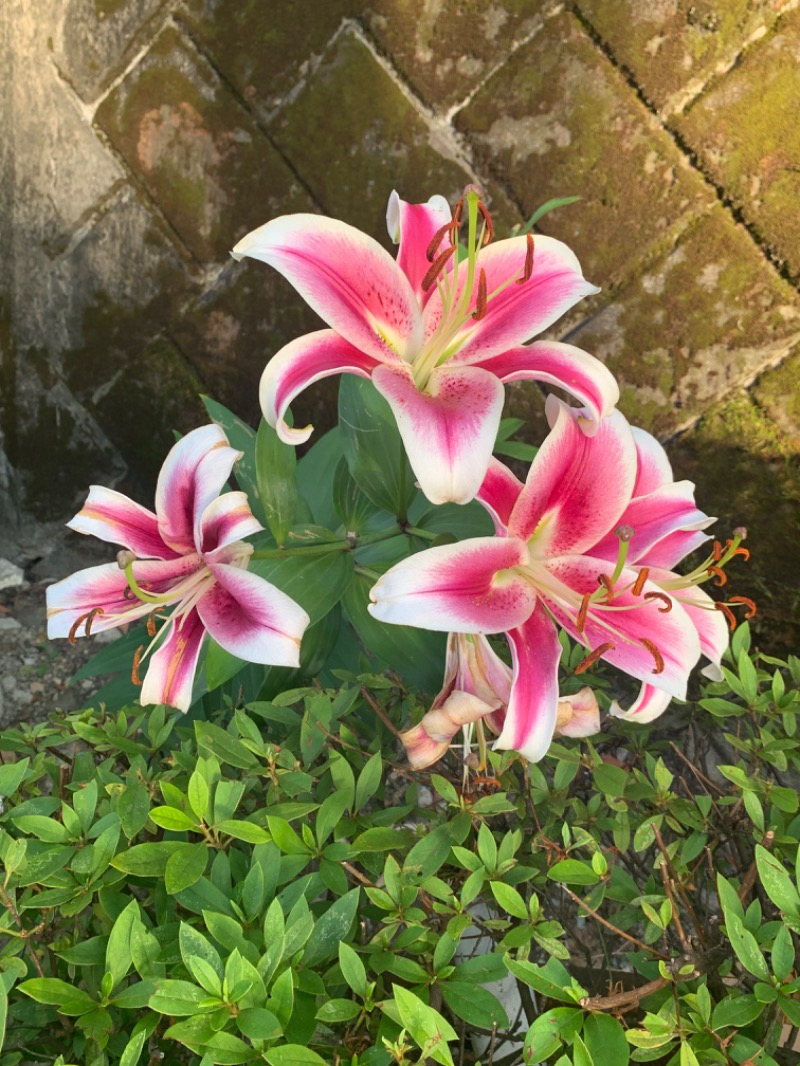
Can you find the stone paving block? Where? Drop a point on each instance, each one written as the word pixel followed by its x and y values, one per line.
pixel 747 474
pixel 265 49
pixel 353 137
pixel 672 47
pixel 702 320
pixel 558 120
pixel 747 135
pixel 445 48
pixel 100 37
pixel 200 155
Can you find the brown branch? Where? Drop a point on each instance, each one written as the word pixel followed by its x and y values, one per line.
pixel 603 921
pixel 378 710
pixel 621 1000
pixel 750 877
pixel 24 934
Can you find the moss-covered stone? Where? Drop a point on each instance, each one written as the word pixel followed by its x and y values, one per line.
pixel 672 47
pixel 747 134
pixel 354 136
pixel 202 158
pixel 558 120
pixel 700 321
pixel 747 473
pixel 445 48
pixel 777 392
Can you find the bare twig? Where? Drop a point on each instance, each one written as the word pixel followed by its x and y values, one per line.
pixel 603 921
pixel 624 1000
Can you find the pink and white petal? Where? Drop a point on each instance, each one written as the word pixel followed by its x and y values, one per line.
pixel 346 277
pixel 649 704
pixel 176 489
pixel 427 742
pixel 578 486
pixel 627 623
pixel 413 226
pixel 667 510
pixel 578 715
pixel 499 492
pixel 104 587
pixel 114 518
pixel 654 469
pixel 518 312
pixel 448 430
pixel 531 715
pixel 712 629
pixel 227 519
pixel 300 363
pixel 669 551
pixel 470 587
pixel 565 367
pixel 249 617
pixel 171 668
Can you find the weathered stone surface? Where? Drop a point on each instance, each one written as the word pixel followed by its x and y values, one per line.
pixel 558 120
pixel 445 48
pixel 700 321
pixel 746 472
pixel 747 134
pixel 98 38
pixel 672 47
pixel 199 154
pixel 778 393
pixel 284 41
pixel 352 173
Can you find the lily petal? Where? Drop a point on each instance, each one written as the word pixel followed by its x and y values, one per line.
pixel 577 487
pixel 650 704
pixel 564 366
pixel 578 715
pixel 627 623
pixel 413 226
pixel 499 492
pixel 654 469
pixel 532 710
pixel 666 510
pixel 226 520
pixel 249 617
pixel 114 518
pixel 177 487
pixel 171 669
pixel 468 587
pixel 448 430
pixel 518 312
pixel 428 741
pixel 346 277
pixel 669 551
pixel 712 629
pixel 300 363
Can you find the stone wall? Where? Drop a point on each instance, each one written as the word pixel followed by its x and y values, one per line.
pixel 142 138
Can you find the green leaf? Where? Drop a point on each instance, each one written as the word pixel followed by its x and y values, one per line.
pixel 172 818
pixel 510 900
pixel 783 954
pixel 572 872
pixel 194 945
pixel 133 806
pixel 551 980
pixel 185 867
pixel 60 994
pixel 338 1010
pixel 605 1040
pixel 372 446
pixel 331 927
pixel 216 741
pixel 293 1055
pixel 43 828
pixel 428 854
pixel 275 480
pixel 549 1031
pixel 545 209
pixel 746 947
pixel 11 775
pixel 353 969
pixel 133 1049
pixel 475 1005
pixel 777 883
pixel 176 997
pixel 316 582
pixel 353 508
pixel 149 860
pixel 425 1025
pixel 369 780
pixel 738 1011
pixel 118 952
pixel 247 831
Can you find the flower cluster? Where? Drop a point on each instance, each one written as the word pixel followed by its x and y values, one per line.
pixel 588 544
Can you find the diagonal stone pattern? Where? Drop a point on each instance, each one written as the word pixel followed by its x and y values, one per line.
pixel 156 132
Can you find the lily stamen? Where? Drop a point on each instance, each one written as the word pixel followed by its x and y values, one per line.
pixel 85 620
pixel 658 658
pixel 527 270
pixel 480 299
pixel 737 549
pixel 639 583
pixel 730 616
pixel 593 656
pixel 137 658
pixel 607 584
pixel 437 266
pixel 660 596
pixel 748 603
pixel 580 623
pixel 719 573
pixel 717 550
pixel 488 232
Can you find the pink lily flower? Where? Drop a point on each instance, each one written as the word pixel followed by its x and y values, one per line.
pixel 559 558
pixel 477 687
pixel 188 556
pixel 438 337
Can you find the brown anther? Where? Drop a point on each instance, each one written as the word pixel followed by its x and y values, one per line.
pixel 86 621
pixel 739 550
pixel 436 267
pixel 719 573
pixel 436 240
pixel 580 623
pixel 664 599
pixel 658 658
pixel 749 604
pixel 458 214
pixel 527 270
pixel 151 621
pixel 137 658
pixel 718 551
pixel 128 593
pixel 481 299
pixel 488 232
pixel 639 583
pixel 593 656
pixel 605 581
pixel 731 617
